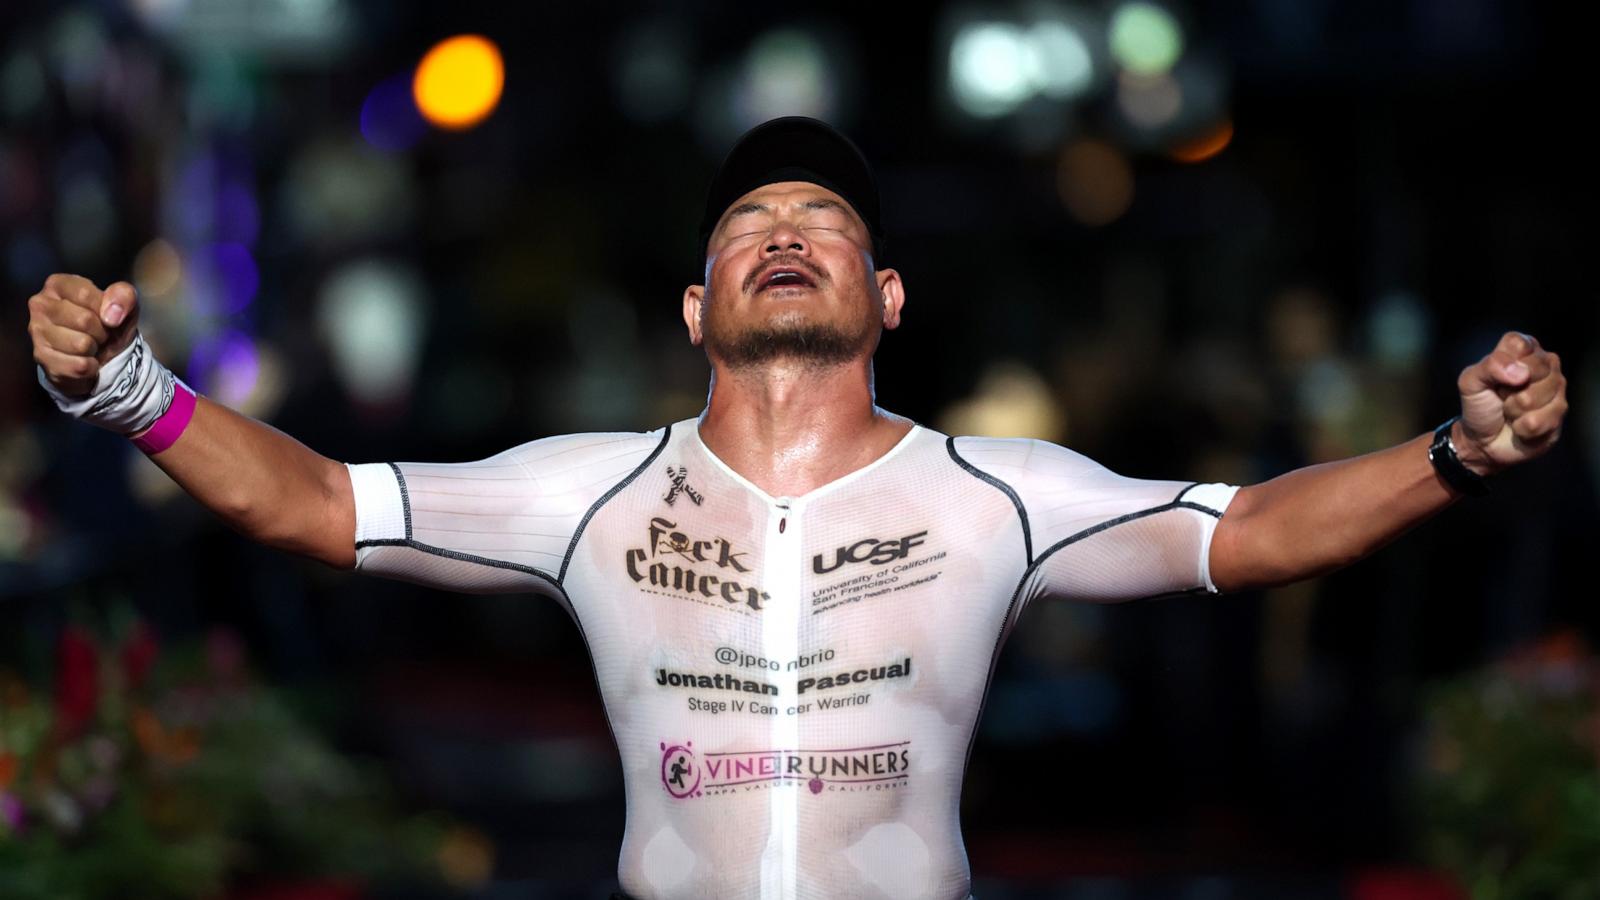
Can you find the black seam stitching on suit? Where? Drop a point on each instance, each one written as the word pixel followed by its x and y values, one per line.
pixel 572 547
pixel 1126 517
pixel 1189 504
pixel 606 498
pixel 994 656
pixel 594 666
pixel 1185 593
pixel 1022 512
pixel 405 498
pixel 994 659
pixel 463 557
pixel 502 564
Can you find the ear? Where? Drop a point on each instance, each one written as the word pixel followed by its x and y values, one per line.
pixel 694 298
pixel 893 293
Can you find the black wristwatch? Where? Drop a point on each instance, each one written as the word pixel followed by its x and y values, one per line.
pixel 1442 453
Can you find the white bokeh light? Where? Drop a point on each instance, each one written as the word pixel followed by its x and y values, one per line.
pixel 1059 62
pixel 990 69
pixel 372 314
pixel 786 74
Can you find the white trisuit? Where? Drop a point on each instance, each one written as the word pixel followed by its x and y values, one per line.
pixel 793 683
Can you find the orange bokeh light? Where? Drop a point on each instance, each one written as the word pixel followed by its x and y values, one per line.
pixel 1206 146
pixel 1095 182
pixel 459 81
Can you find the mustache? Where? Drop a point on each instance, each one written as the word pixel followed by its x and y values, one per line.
pixel 796 262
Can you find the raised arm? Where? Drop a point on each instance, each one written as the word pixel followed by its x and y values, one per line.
pixel 1316 519
pixel 263 483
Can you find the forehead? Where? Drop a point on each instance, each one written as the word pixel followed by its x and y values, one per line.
pixel 788 194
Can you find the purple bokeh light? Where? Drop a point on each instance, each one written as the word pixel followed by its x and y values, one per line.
pixel 238 215
pixel 193 198
pixel 237 278
pixel 390 120
pixel 214 200
pixel 225 364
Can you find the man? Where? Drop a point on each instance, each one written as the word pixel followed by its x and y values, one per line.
pixel 793 603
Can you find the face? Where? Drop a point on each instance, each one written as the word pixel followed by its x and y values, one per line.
pixel 789 275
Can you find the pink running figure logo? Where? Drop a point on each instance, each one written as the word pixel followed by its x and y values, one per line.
pixel 680 775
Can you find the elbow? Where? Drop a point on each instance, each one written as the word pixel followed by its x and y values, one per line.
pixel 244 514
pixel 1242 564
pixel 1225 562
pixel 1245 557
pixel 339 559
pixel 321 528
pixel 312 540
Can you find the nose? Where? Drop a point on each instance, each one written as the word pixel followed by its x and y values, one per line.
pixel 785 238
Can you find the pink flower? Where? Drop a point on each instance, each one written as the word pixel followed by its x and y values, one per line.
pixel 11 812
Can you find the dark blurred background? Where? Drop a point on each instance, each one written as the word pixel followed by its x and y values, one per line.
pixel 1212 242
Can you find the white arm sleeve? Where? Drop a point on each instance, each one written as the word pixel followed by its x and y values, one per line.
pixel 1098 536
pixel 503 524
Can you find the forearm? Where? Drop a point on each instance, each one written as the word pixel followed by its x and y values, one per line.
pixel 265 484
pixel 1319 518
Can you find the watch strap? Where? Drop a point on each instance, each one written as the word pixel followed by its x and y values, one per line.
pixel 1442 453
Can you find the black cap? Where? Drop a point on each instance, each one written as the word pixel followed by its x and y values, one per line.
pixel 795 148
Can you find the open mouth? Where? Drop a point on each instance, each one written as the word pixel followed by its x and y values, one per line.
pixel 784 277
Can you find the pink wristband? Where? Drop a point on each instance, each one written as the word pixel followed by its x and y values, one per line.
pixel 165 431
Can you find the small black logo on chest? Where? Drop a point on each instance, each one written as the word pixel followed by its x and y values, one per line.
pixel 680 485
pixel 873 550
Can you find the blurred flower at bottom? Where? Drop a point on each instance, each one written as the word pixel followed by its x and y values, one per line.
pixel 170 766
pixel 1509 785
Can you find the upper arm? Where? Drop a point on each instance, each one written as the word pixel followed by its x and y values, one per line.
pixel 506 523
pixel 1100 536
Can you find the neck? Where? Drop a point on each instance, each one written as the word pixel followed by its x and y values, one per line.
pixel 790 427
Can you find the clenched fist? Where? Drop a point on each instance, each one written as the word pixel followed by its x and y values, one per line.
pixel 77 327
pixel 1512 404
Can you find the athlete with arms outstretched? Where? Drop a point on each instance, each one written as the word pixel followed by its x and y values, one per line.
pixel 793 602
